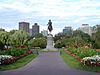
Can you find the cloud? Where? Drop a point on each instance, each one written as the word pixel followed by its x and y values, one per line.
pixel 62 12
pixel 50 7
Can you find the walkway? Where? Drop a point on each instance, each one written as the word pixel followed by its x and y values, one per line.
pixel 47 63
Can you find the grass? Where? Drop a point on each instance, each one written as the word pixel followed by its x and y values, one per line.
pixel 73 63
pixel 19 63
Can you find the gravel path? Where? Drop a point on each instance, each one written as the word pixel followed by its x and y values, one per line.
pixel 47 63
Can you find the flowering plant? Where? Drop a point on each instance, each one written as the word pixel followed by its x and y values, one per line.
pixel 6 59
pixel 93 60
pixel 3 57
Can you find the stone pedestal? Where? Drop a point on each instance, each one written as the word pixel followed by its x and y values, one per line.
pixel 50 43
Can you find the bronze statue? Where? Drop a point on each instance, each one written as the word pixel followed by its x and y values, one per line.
pixel 50 28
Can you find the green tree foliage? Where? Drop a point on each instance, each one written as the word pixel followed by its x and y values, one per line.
pixel 59 44
pixel 38 42
pixel 13 31
pixel 78 39
pixel 84 36
pixel 4 38
pixel 59 36
pixel 19 38
pixel 96 36
pixel 96 40
pixel 74 42
pixel 39 35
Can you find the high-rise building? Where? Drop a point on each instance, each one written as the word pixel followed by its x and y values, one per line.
pixel 86 29
pixel 67 31
pixel 45 32
pixel 24 26
pixel 35 29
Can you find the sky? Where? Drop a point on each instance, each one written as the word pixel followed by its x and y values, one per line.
pixel 62 13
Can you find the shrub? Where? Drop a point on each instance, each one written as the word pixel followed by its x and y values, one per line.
pixel 38 42
pixel 16 51
pixel 59 44
pixel 83 52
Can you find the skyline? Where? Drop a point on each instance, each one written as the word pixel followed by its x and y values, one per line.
pixel 62 13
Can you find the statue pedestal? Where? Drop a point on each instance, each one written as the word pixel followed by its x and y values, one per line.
pixel 50 43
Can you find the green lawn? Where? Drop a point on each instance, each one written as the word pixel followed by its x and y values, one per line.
pixel 19 63
pixel 73 63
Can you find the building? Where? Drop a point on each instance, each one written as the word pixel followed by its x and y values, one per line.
pixel 67 31
pixel 45 32
pixel 30 32
pixel 35 29
pixel 86 29
pixel 24 26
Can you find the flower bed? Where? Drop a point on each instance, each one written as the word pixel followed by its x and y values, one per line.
pixel 7 59
pixel 16 52
pixel 91 61
pixel 85 56
pixel 83 52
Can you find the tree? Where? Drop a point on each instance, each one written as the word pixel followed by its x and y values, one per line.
pixel 13 31
pixel 38 42
pixel 4 38
pixel 39 35
pixel 74 42
pixel 82 35
pixel 98 28
pixel 96 38
pixel 78 39
pixel 2 29
pixel 59 44
pixel 19 38
pixel 59 36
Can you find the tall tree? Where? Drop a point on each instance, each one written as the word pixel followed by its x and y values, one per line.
pixel 4 37
pixel 19 38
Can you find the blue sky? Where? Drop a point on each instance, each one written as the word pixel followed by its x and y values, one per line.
pixel 61 12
